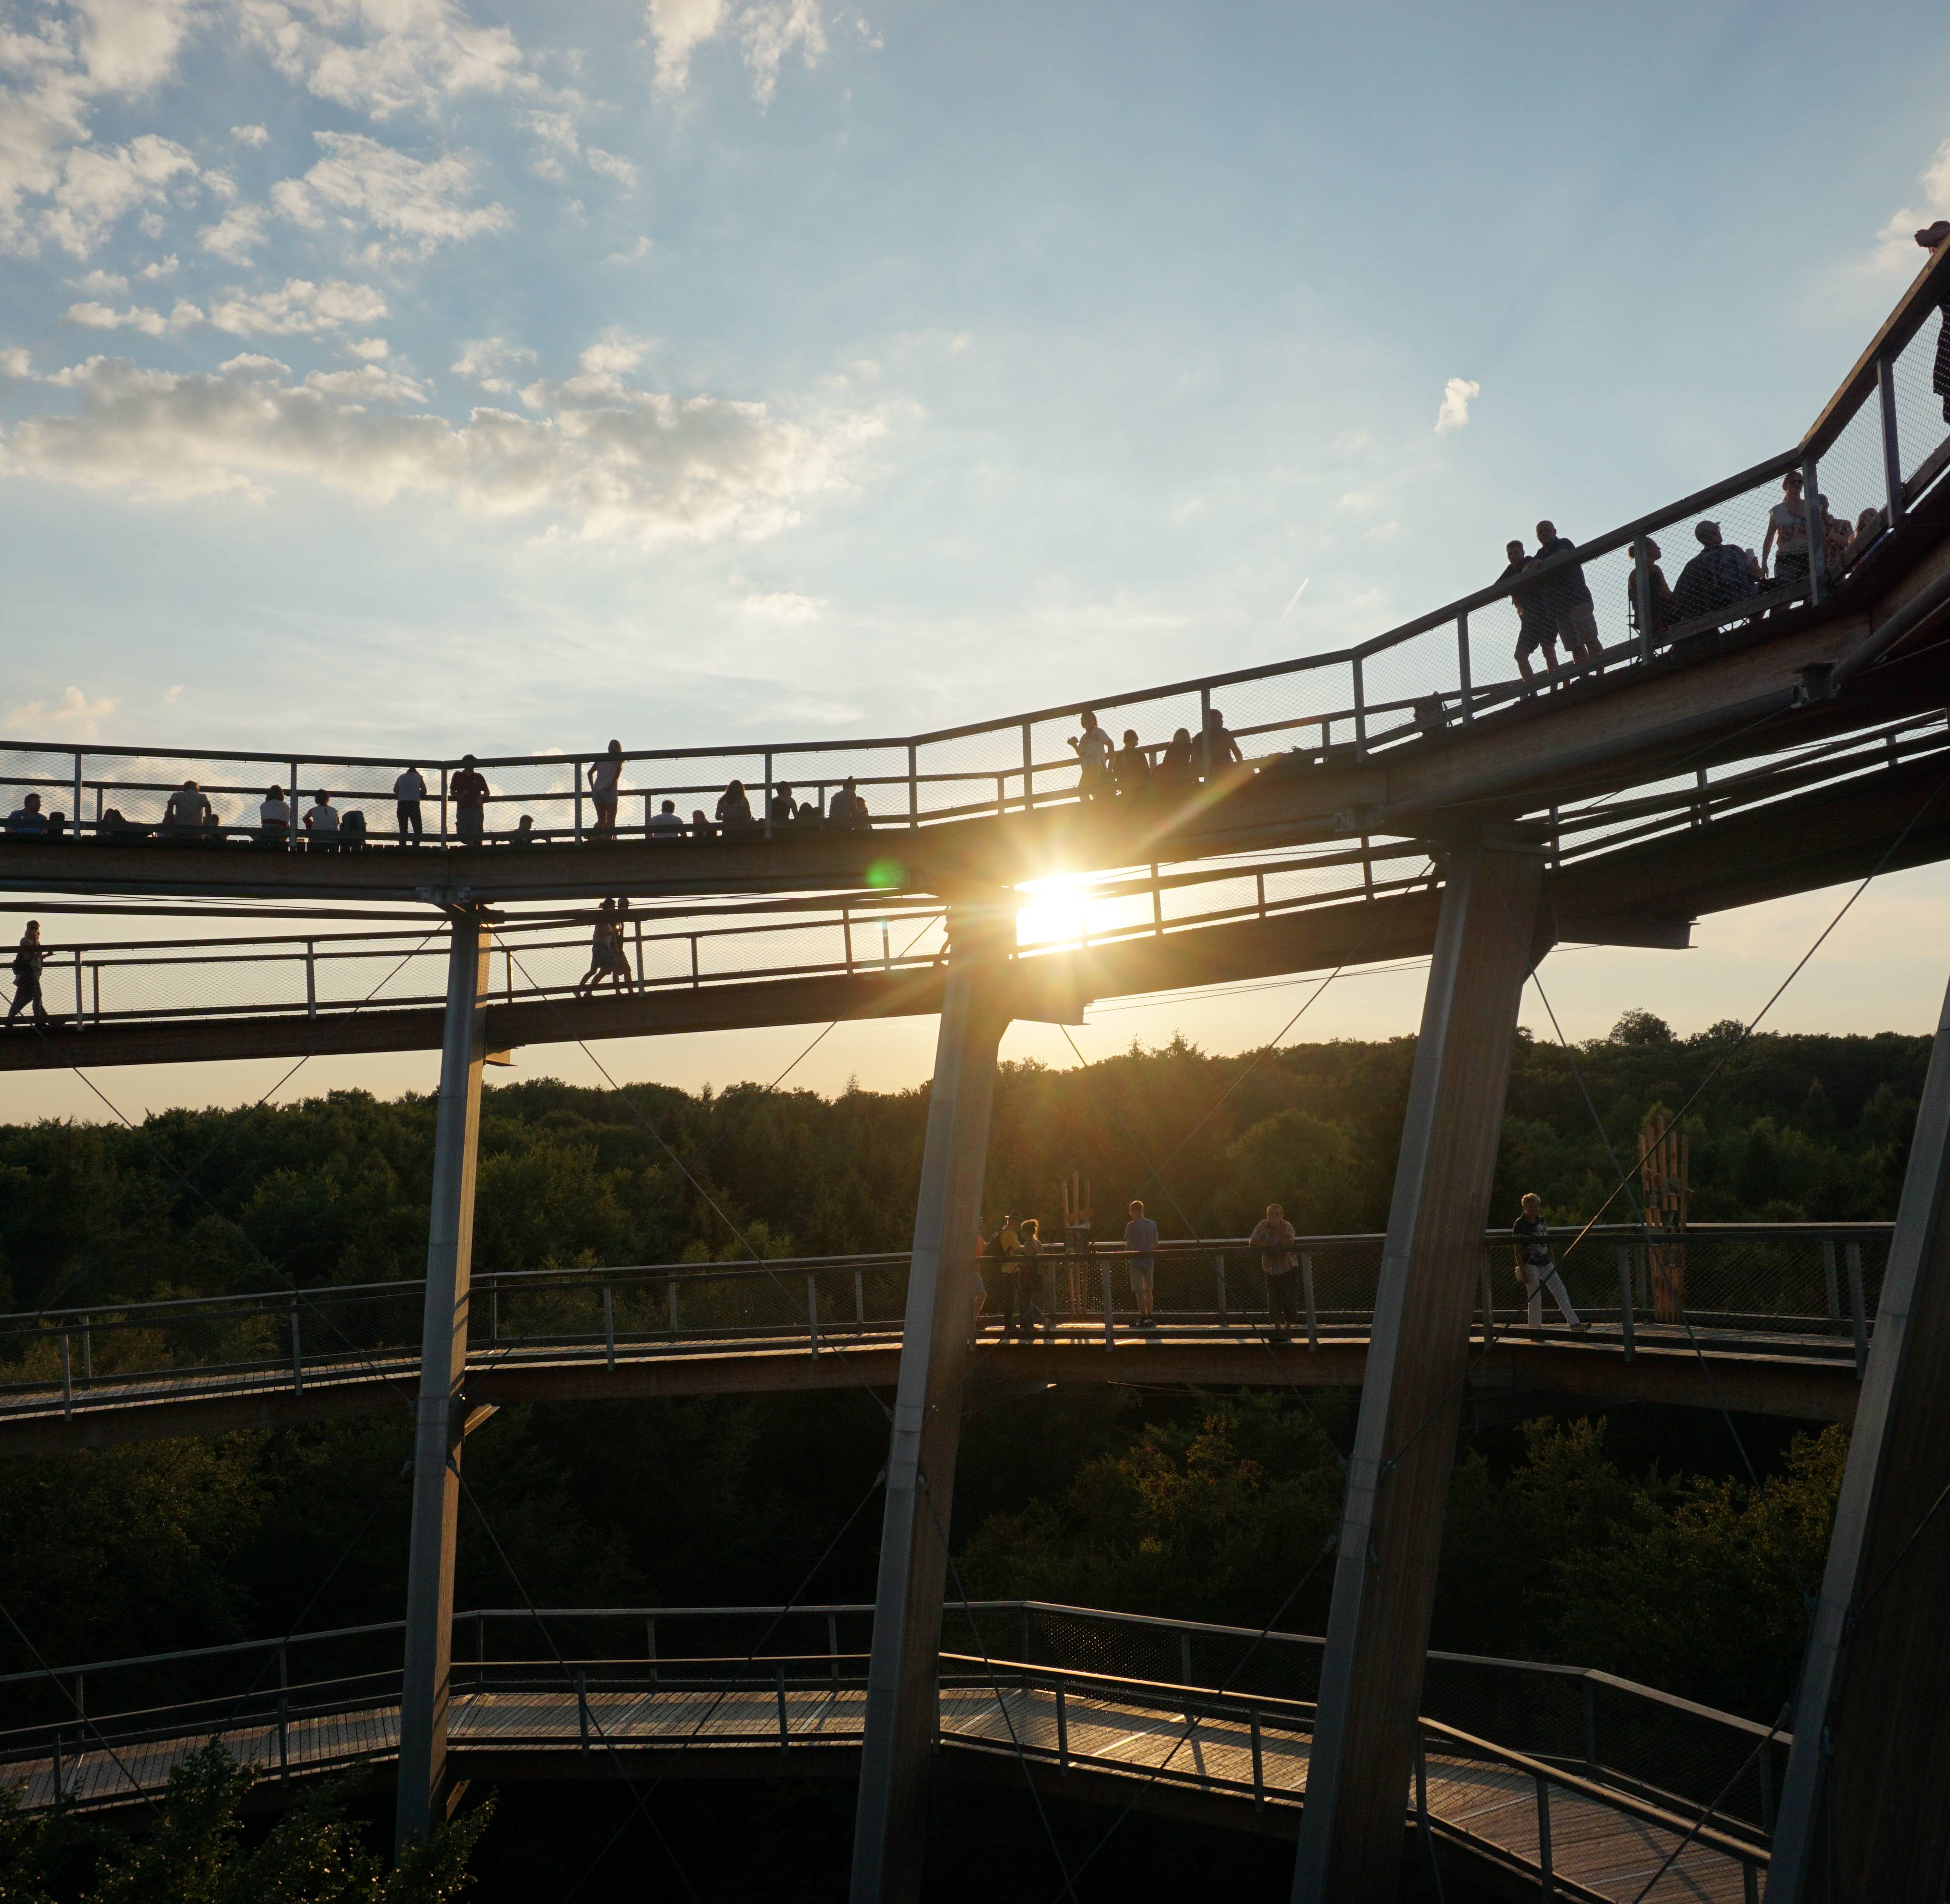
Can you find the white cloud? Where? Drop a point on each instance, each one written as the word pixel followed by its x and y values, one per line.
pixel 679 27
pixel 73 711
pixel 298 308
pixel 612 167
pixel 383 57
pixel 250 135
pixel 237 234
pixel 138 317
pixel 160 268
pixel 99 185
pixel 783 605
pixel 365 183
pixel 483 362
pixel 770 32
pixel 16 362
pixel 1895 243
pixel 371 349
pixel 1457 395
pixel 102 284
pixel 367 384
pixel 637 253
pixel 646 466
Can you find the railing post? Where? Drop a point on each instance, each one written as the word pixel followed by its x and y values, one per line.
pixel 914 784
pixel 1591 1728
pixel 1028 769
pixel 1062 1730
pixel 1642 594
pixel 311 979
pixel 291 790
pixel 609 1328
pixel 87 1349
pixel 1834 1287
pixel 1360 710
pixel 284 1743
pixel 785 1730
pixel 1224 1307
pixel 67 1381
pixel 1259 1765
pixel 582 1708
pixel 650 1648
pixel 1891 446
pixel 1307 1296
pixel 768 796
pixel 77 815
pixel 1489 1303
pixel 80 1013
pixel 812 1311
pixel 860 1298
pixel 60 1770
pixel 1205 733
pixel 833 1645
pixel 1857 1309
pixel 298 1349
pixel 1548 1888
pixel 1110 1312
pixel 1462 667
pixel 1625 1318
pixel 1810 500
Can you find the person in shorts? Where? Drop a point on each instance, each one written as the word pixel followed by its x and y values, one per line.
pixel 1567 598
pixel 1535 629
pixel 1535 1269
pixel 605 778
pixel 29 957
pixel 1141 1236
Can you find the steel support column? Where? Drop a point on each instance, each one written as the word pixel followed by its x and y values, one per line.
pixel 423 1701
pixel 902 1717
pixel 1862 1813
pixel 1365 1732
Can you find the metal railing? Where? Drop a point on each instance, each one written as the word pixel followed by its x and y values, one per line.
pixel 1878 445
pixel 1562 1736
pixel 1807 1289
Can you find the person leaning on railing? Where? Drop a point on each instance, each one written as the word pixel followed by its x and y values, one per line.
pixel 408 790
pixel 1718 578
pixel 1007 1257
pixel 468 790
pixel 1131 768
pixel 1567 597
pixel 1663 616
pixel 606 777
pixel 1787 536
pixel 1537 633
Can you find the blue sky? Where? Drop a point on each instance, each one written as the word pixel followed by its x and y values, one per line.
pixel 402 374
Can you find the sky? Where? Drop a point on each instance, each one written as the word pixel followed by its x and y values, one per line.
pixel 397 375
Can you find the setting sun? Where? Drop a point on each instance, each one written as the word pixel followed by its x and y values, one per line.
pixel 1053 910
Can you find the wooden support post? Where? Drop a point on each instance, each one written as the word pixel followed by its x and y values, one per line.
pixel 901 1714
pixel 1366 1730
pixel 1871 1753
pixel 423 1700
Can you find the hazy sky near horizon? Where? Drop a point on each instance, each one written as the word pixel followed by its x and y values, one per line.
pixel 400 375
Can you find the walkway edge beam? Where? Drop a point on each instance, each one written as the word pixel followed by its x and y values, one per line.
pixel 1365 1734
pixel 902 1711
pixel 437 1428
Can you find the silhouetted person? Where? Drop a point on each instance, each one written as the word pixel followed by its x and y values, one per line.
pixel 1008 1260
pixel 468 790
pixel 1093 749
pixel 1140 1239
pixel 1929 237
pixel 606 776
pixel 1663 615
pixel 1221 750
pixel 700 827
pixel 1787 538
pixel 1131 767
pixel 1274 1239
pixel 27 817
pixel 29 957
pixel 1567 597
pixel 666 825
pixel 1715 579
pixel 274 815
pixel 321 822
pixel 734 808
pixel 1868 533
pixel 1536 631
pixel 524 834
pixel 1535 1269
pixel 784 803
pixel 186 808
pixel 602 951
pixel 408 790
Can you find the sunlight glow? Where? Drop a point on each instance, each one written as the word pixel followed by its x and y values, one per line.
pixel 1053 911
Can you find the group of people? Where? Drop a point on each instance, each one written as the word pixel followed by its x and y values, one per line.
pixel 1109 771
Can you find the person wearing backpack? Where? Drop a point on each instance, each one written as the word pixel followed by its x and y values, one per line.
pixel 29 957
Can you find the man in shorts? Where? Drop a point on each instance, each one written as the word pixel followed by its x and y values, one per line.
pixel 1535 629
pixel 1567 597
pixel 1140 1239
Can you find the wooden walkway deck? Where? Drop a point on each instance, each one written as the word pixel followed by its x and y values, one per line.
pixel 1599 1850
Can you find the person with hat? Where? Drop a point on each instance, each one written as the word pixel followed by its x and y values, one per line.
pixel 1716 578
pixel 469 790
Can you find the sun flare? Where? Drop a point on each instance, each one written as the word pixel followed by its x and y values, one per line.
pixel 1054 909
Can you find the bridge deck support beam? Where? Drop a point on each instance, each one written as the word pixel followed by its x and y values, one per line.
pixel 902 1716
pixel 438 1430
pixel 1365 1733
pixel 1862 1811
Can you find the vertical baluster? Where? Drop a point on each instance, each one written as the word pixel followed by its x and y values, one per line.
pixel 1462 667
pixel 1110 1310
pixel 1157 904
pixel 768 796
pixel 1547 1888
pixel 785 1732
pixel 311 979
pixel 694 979
pixel 1626 1331
pixel 80 1016
pixel 1225 1308
pixel 1829 1276
pixel 914 784
pixel 67 1381
pixel 1258 1763
pixel 608 1328
pixel 75 811
pixel 1856 1309
pixel 1062 1730
pixel 860 1299
pixel 1028 769
pixel 812 1311
pixel 1307 1296
pixel 1205 733
pixel 298 1349
pixel 1810 494
pixel 87 1351
pixel 291 826
pixel 1360 710
pixel 833 1645
pixel 1891 447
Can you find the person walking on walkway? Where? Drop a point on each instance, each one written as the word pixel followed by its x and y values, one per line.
pixel 468 790
pixel 606 777
pixel 408 790
pixel 1140 1239
pixel 1029 1251
pixel 1274 1239
pixel 29 957
pixel 603 950
pixel 1093 748
pixel 1535 1269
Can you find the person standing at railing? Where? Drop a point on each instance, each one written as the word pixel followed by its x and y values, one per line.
pixel 1092 748
pixel 468 790
pixel 1131 768
pixel 606 777
pixel 1663 615
pixel 1787 533
pixel 1567 597
pixel 29 957
pixel 1929 237
pixel 1273 1237
pixel 408 790
pixel 846 808
pixel 1008 1261
pixel 1536 634
pixel 274 816
pixel 1176 767
pixel 1716 578
pixel 1029 1250
pixel 1141 1236
pixel 1535 1268
pixel 1221 748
